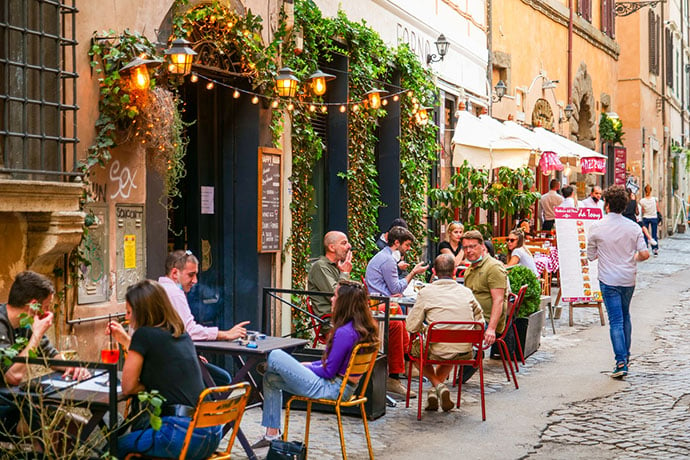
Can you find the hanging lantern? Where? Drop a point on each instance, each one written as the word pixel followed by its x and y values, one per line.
pixel 286 82
pixel 138 69
pixel 318 82
pixel 374 97
pixel 181 57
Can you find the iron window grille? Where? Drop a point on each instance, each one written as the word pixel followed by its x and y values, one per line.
pixel 38 90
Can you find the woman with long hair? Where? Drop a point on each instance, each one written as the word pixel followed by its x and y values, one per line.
pixel 161 356
pixel 351 323
pixel 650 211
pixel 453 245
pixel 519 254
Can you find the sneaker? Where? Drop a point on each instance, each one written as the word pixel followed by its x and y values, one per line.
pixel 265 441
pixel 396 387
pixel 444 394
pixel 620 371
pixel 432 401
pixel 656 252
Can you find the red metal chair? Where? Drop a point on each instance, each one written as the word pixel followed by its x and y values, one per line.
pixel 517 303
pixel 473 336
pixel 320 336
pixel 506 358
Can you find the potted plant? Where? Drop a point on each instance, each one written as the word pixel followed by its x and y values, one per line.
pixel 530 317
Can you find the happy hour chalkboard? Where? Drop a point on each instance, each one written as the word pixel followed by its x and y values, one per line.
pixel 269 199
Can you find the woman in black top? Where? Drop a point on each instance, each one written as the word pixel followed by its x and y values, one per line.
pixel 162 357
pixel 453 245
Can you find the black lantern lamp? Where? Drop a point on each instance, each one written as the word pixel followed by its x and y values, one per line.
pixel 318 82
pixel 569 110
pixel 286 82
pixel 181 57
pixel 138 68
pixel 442 45
pixel 500 90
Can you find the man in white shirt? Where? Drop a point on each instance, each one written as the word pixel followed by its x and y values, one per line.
pixel 181 268
pixel 618 244
pixel 548 203
pixel 568 200
pixel 594 199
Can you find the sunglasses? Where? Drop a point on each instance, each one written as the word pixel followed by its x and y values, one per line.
pixel 512 240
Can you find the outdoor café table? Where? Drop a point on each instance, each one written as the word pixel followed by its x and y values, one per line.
pixel 93 394
pixel 247 358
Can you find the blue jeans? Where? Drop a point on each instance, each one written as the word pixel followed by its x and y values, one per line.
pixel 654 222
pixel 286 373
pixel 617 301
pixel 168 441
pixel 220 376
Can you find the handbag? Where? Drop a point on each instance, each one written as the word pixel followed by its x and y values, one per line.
pixel 658 217
pixel 286 450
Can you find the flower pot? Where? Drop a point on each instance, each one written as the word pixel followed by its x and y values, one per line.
pixel 529 331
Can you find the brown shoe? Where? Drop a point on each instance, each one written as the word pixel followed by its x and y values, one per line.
pixel 396 387
pixel 444 394
pixel 431 401
pixel 415 372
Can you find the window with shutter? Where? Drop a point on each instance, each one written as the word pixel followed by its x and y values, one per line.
pixel 668 55
pixel 652 36
pixel 584 9
pixel 605 16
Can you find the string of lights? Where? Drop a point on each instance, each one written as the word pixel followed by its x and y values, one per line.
pixel 312 106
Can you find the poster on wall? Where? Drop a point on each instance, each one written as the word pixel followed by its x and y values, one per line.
pixel 579 276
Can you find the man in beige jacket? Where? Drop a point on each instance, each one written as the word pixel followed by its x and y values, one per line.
pixel 443 300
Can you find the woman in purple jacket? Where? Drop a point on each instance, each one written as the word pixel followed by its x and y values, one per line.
pixel 352 323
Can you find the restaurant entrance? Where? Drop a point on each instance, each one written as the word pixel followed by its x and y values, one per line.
pixel 215 217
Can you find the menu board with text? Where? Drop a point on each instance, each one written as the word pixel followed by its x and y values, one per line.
pixel 270 202
pixel 579 276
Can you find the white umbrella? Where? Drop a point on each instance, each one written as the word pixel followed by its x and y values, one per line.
pixel 485 145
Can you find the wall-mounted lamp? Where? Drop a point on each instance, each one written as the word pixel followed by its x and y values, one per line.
pixel 500 90
pixel 441 47
pixel 138 68
pixel 374 97
pixel 318 82
pixel 286 82
pixel 181 57
pixel 569 110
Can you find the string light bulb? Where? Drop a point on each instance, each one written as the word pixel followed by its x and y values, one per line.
pixel 355 108
pixel 324 109
pixel 342 109
pixel 384 102
pixel 312 108
pixel 374 97
pixel 318 82
pixel 291 106
pixel 274 104
pixel 255 100
pixel 396 98
pixel 236 94
pixel 209 85
pixel 194 78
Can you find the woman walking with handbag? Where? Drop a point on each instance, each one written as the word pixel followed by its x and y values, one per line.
pixel 352 323
pixel 650 217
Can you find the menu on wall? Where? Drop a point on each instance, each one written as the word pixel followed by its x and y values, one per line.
pixel 269 199
pixel 579 276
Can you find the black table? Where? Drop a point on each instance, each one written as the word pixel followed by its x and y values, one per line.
pixel 247 358
pixel 96 394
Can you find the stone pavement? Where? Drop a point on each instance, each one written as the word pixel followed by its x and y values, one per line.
pixel 647 416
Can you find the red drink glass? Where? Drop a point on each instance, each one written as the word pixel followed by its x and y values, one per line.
pixel 110 356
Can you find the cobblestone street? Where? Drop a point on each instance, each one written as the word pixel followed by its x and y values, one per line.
pixel 567 405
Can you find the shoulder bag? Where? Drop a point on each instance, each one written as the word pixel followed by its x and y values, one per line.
pixel 286 450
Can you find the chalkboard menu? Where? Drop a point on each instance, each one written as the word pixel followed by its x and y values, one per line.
pixel 269 199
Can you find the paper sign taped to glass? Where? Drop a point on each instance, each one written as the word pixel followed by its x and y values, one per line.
pixel 579 276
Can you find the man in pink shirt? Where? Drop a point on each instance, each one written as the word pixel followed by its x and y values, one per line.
pixel 181 268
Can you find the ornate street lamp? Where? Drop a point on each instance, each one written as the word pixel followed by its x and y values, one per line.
pixel 442 45
pixel 500 90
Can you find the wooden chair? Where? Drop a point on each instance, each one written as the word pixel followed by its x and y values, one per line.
pixel 361 363
pixel 474 335
pixel 226 410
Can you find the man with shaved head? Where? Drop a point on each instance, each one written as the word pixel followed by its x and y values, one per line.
pixel 333 266
pixel 594 200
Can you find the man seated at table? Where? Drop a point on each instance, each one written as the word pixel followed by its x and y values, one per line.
pixel 487 279
pixel 328 269
pixel 181 268
pixel 29 288
pixel 443 300
pixel 382 280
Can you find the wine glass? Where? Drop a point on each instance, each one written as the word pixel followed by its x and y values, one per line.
pixel 68 347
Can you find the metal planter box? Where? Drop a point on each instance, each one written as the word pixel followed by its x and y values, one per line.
pixel 529 331
pixel 376 392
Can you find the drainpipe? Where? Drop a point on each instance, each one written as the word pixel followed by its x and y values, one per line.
pixel 570 54
pixel 489 63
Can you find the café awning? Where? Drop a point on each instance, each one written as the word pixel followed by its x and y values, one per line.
pixel 590 162
pixel 486 145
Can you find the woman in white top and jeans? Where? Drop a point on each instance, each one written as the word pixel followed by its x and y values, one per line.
pixel 650 208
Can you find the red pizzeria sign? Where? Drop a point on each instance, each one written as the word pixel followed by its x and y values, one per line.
pixel 593 165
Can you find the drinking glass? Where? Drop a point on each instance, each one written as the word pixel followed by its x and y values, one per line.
pixel 68 347
pixel 110 355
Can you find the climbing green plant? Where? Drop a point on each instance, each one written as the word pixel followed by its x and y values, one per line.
pixel 611 129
